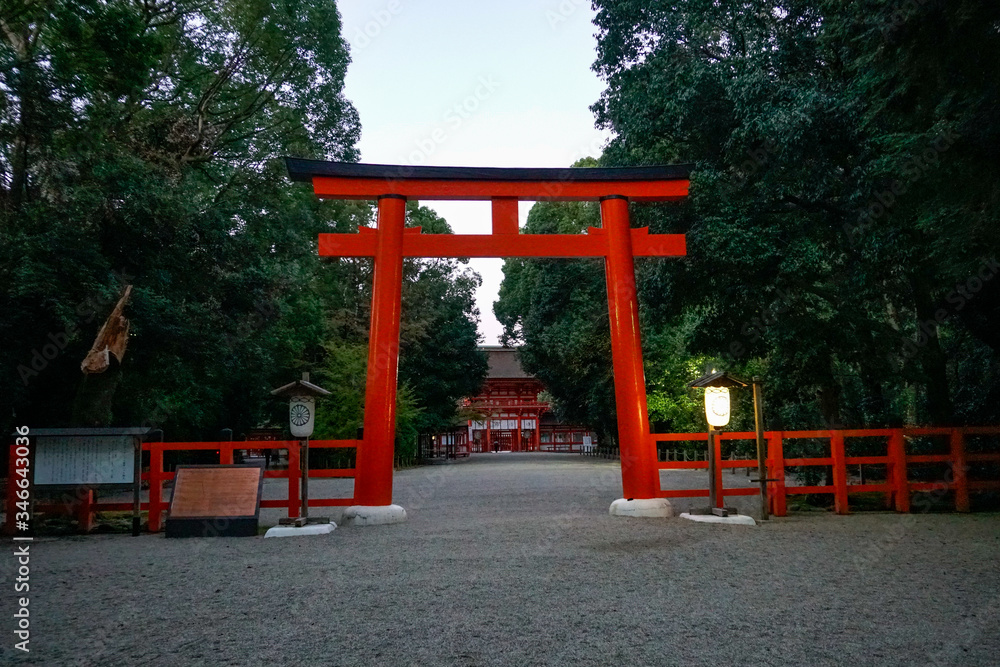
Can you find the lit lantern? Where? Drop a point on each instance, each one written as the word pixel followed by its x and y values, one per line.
pixel 717 408
pixel 717 405
pixel 716 385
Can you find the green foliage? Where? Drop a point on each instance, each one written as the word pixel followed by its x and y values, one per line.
pixel 140 144
pixel 440 361
pixel 800 118
pixel 843 198
pixel 340 415
pixel 557 311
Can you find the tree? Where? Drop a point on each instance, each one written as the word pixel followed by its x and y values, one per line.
pixel 556 311
pixel 141 143
pixel 439 357
pixel 782 107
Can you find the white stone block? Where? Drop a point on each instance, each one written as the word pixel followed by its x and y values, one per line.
pixel 734 519
pixel 301 531
pixel 373 515
pixel 652 508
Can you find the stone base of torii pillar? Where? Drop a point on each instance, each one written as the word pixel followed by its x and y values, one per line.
pixel 647 508
pixel 373 515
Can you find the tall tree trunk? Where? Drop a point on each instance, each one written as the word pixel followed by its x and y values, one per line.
pixel 829 404
pixel 874 401
pixel 94 402
pixel 829 407
pixel 22 43
pixel 933 360
pixel 19 156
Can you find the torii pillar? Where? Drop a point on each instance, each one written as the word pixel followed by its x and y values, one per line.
pixel 390 242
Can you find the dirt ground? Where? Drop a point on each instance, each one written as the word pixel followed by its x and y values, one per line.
pixel 514 560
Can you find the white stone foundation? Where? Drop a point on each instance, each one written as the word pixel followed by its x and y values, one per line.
pixel 734 519
pixel 300 531
pixel 373 515
pixel 652 508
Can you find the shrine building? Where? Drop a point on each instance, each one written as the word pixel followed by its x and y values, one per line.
pixel 509 414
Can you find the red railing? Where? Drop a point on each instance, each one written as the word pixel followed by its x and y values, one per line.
pixel 897 486
pixel 83 506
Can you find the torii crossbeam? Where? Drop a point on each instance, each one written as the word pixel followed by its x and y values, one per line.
pixel 390 242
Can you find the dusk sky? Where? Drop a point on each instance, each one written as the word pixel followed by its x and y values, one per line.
pixel 473 84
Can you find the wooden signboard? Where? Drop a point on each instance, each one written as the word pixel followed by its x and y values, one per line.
pixel 84 460
pixel 90 458
pixel 215 501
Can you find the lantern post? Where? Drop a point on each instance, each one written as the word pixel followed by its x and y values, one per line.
pixel 718 409
pixel 758 420
pixel 301 396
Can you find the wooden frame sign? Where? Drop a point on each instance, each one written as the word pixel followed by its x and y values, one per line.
pixel 215 501
pixel 74 459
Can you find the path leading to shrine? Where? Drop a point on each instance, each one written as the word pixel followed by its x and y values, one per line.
pixel 513 560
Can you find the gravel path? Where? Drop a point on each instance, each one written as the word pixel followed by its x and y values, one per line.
pixel 513 560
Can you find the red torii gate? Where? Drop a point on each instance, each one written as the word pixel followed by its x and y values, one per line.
pixel 391 241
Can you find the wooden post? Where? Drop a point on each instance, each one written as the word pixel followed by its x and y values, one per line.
pixel 839 472
pixel 897 465
pixel 519 447
pixel 776 471
pixel 714 470
pixel 505 215
pixel 758 419
pixel 305 478
pixel 294 477
pixel 959 470
pixel 137 488
pixel 640 473
pixel 373 484
pixel 155 487
pixel 489 436
pixel 85 511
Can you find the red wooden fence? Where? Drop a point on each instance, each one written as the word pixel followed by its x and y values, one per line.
pixel 83 506
pixel 897 486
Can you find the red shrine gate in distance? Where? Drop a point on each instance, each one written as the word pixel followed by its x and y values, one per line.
pixel 391 241
pixel 513 415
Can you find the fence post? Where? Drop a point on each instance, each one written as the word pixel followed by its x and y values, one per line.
pixel 155 486
pixel 839 472
pixel 226 453
pixel 776 471
pixel 294 473
pixel 900 494
pixel 959 470
pixel 85 511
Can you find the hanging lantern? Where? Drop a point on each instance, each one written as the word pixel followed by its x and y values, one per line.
pixel 301 405
pixel 717 405
pixel 301 416
pixel 716 385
